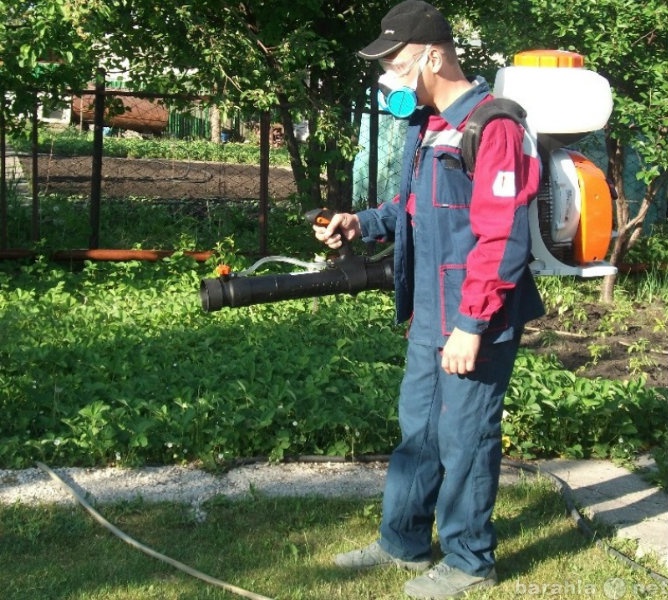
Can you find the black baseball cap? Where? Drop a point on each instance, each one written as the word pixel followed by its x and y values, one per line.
pixel 409 22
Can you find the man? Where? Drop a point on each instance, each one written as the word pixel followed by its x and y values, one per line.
pixel 462 249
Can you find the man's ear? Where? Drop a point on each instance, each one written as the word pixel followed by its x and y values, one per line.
pixel 436 60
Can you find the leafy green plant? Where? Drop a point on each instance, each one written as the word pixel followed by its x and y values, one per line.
pixel 115 363
pixel 598 351
pixel 550 411
pixel 561 295
pixel 650 249
pixel 660 455
pixel 72 142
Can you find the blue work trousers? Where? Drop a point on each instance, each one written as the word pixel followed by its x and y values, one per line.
pixel 448 462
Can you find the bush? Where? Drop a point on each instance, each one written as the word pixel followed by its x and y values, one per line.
pixel 116 363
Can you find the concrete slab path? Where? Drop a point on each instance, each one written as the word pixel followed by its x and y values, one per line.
pixel 620 498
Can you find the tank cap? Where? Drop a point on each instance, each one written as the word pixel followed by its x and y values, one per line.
pixel 548 58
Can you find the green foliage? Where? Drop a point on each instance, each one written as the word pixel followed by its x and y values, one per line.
pixel 141 223
pixel 44 46
pixel 71 142
pixel 304 66
pixel 121 365
pixel 550 411
pixel 116 363
pixel 564 295
pixel 660 474
pixel 651 249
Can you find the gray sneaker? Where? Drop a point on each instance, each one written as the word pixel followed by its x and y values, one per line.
pixel 374 556
pixel 444 581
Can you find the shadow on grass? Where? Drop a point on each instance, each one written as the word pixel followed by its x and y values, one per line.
pixel 273 547
pixel 277 547
pixel 533 526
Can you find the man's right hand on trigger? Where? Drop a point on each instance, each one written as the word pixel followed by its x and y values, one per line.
pixel 345 224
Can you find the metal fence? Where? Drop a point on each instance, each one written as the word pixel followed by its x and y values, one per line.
pixel 108 112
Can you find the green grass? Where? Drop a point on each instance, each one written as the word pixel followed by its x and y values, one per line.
pixel 143 223
pixel 71 142
pixel 281 548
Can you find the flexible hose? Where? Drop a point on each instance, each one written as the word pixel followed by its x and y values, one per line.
pixel 582 524
pixel 317 265
pixel 561 486
pixel 145 549
pixel 309 266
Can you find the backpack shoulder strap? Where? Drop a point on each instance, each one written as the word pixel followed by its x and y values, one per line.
pixel 483 114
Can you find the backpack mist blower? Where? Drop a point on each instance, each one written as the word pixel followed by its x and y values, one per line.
pixel 552 95
pixel 347 273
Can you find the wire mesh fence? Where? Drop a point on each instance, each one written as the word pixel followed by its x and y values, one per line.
pixel 156 178
pixel 186 181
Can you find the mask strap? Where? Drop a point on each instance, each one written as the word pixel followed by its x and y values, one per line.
pixel 425 58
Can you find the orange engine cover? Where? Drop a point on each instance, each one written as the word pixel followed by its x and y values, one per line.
pixel 594 232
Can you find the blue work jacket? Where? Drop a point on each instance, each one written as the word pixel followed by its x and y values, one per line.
pixel 461 254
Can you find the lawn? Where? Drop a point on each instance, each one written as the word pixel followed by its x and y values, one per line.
pixel 282 548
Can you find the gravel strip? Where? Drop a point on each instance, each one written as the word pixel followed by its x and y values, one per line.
pixel 189 485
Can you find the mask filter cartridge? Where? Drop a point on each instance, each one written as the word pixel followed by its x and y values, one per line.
pixel 400 103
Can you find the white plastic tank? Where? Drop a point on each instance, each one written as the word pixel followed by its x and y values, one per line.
pixel 558 93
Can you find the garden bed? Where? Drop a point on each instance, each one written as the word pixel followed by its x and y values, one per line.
pixel 606 345
pixel 158 178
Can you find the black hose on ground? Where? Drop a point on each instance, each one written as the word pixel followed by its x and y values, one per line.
pixel 583 524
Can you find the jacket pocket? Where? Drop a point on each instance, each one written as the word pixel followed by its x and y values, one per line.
pixel 451 185
pixel 451 279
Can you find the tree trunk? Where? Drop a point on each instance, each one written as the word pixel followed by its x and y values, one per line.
pixel 214 120
pixel 608 289
pixel 299 170
pixel 621 215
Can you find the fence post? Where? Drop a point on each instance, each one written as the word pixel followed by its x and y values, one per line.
pixel 265 127
pixel 96 169
pixel 3 175
pixel 372 201
pixel 35 171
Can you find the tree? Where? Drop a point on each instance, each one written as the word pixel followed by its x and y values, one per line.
pixel 44 50
pixel 43 47
pixel 295 58
pixel 625 41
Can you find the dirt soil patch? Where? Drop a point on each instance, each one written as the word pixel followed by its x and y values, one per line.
pixel 607 344
pixel 158 178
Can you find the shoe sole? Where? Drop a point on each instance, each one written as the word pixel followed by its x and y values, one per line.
pixel 485 583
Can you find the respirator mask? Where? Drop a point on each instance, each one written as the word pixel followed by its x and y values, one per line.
pixel 399 99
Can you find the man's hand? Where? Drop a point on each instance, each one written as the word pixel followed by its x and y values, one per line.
pixel 341 223
pixel 460 352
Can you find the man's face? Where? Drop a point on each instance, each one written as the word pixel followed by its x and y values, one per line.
pixel 404 63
